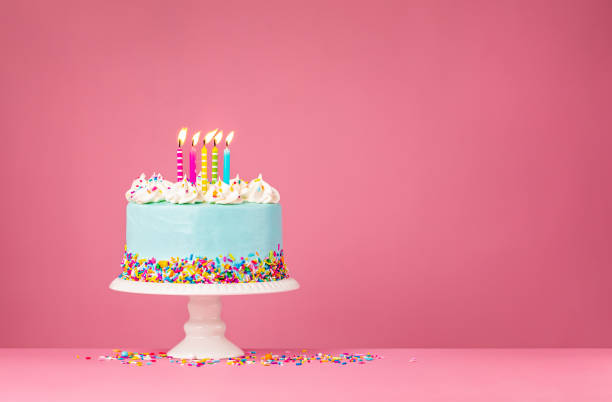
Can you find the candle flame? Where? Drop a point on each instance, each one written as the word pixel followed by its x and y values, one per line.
pixel 218 137
pixel 181 136
pixel 229 139
pixel 210 136
pixel 195 139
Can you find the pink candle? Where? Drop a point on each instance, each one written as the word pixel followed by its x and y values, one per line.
pixel 192 158
pixel 192 165
pixel 179 154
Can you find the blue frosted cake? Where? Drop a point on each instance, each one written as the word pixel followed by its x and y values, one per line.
pixel 188 232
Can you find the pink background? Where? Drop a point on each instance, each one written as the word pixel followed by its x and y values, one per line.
pixel 443 166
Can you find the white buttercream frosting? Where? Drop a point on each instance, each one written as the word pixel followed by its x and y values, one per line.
pixel 183 192
pixel 261 192
pixel 222 193
pixel 157 189
pixel 144 191
pixel 242 185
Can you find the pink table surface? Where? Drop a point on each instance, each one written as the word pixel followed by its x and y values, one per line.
pixel 436 375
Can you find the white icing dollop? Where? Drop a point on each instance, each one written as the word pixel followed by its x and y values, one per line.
pixel 145 191
pixel 222 193
pixel 137 184
pixel 183 192
pixel 243 185
pixel 261 192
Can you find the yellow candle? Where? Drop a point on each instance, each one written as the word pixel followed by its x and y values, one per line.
pixel 204 169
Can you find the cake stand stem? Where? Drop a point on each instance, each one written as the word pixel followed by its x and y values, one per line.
pixel 204 332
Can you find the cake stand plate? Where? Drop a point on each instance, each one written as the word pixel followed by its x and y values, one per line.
pixel 204 331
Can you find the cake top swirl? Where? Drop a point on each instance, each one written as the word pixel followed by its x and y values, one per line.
pixel 144 191
pixel 183 192
pixel 237 191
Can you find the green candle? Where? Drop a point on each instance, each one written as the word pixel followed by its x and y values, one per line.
pixel 215 157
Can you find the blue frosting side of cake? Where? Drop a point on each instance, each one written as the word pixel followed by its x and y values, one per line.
pixel 164 230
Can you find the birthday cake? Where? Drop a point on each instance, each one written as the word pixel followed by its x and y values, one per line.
pixel 198 232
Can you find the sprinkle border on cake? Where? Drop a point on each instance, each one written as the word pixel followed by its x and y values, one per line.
pixel 221 269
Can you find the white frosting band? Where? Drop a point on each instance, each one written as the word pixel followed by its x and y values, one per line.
pixel 157 189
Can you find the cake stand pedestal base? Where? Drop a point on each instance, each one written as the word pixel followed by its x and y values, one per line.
pixel 204 332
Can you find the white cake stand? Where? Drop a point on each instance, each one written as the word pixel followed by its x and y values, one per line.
pixel 204 331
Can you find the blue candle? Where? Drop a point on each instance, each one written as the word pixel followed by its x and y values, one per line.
pixel 226 158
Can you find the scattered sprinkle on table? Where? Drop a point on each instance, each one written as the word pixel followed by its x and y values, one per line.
pixel 251 357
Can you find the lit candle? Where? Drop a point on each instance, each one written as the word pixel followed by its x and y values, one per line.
pixel 179 154
pixel 215 157
pixel 192 158
pixel 226 158
pixel 204 169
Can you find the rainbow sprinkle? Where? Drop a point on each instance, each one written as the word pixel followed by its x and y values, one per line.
pixel 267 359
pixel 222 269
